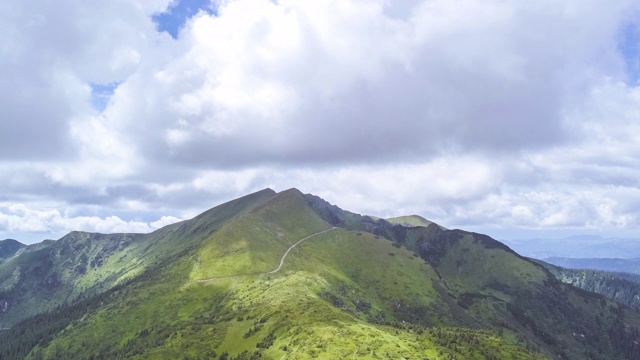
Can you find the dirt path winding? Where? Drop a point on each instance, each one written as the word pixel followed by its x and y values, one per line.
pixel 294 245
pixel 270 272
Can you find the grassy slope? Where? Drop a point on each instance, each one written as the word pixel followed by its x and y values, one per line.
pixel 8 248
pixel 44 276
pixel 486 284
pixel 255 242
pixel 47 275
pixel 410 220
pixel 623 288
pixel 496 286
pixel 327 301
pixel 341 294
pixel 470 266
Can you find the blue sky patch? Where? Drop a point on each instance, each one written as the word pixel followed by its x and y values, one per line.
pixel 177 14
pixel 101 93
pixel 630 48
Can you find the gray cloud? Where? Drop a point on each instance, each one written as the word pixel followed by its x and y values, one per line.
pixel 500 114
pixel 50 53
pixel 496 81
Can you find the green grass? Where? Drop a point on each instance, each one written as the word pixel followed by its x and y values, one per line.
pixel 410 220
pixel 471 267
pixel 107 260
pixel 326 302
pixel 200 289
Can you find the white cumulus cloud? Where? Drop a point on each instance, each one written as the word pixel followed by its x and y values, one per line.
pixel 479 114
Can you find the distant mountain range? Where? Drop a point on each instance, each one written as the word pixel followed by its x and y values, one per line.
pixel 9 247
pixel 579 246
pixel 621 287
pixel 289 276
pixel 606 264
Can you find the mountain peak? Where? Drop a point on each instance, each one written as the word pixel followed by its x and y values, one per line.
pixel 289 198
pixel 9 247
pixel 241 202
pixel 410 220
pixel 10 241
pixel 291 191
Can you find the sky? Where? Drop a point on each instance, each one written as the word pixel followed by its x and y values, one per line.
pixel 512 118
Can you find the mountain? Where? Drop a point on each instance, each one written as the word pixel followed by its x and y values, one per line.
pixel 46 275
pixel 577 246
pixel 9 247
pixel 287 275
pixel 605 264
pixel 410 220
pixel 623 288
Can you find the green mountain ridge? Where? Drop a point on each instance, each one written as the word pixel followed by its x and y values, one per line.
pixel 46 275
pixel 620 287
pixel 604 264
pixel 9 247
pixel 410 220
pixel 357 287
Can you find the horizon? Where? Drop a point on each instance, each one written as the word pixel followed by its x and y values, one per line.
pixel 505 118
pixel 509 237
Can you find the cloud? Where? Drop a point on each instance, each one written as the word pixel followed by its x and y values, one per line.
pixel 18 218
pixel 49 54
pixel 299 82
pixel 479 114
